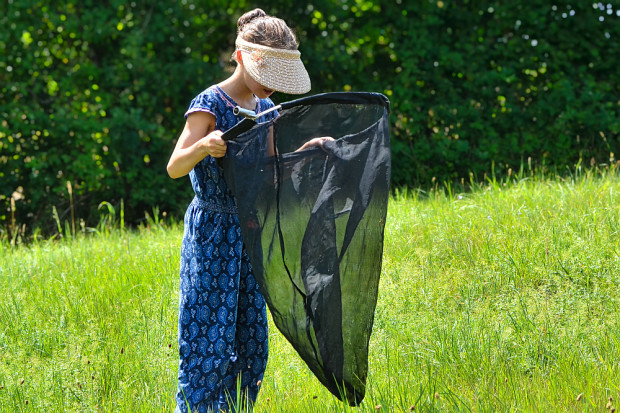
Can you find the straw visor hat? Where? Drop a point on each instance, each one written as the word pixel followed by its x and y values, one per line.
pixel 276 69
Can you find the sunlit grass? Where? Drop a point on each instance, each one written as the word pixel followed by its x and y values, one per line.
pixel 499 299
pixel 90 323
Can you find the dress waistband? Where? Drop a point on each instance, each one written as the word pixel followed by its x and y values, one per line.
pixel 213 207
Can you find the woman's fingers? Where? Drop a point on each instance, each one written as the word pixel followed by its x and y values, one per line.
pixel 216 146
pixel 315 142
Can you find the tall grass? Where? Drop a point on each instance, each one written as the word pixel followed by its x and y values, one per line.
pixel 504 298
pixel 89 323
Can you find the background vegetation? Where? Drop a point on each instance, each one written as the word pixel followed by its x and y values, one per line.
pixel 501 299
pixel 511 300
pixel 92 94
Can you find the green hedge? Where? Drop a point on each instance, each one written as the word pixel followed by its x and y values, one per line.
pixel 93 93
pixel 474 83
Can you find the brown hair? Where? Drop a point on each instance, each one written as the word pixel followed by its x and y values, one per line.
pixel 258 27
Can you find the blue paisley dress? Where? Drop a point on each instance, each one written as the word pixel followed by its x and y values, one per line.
pixel 222 314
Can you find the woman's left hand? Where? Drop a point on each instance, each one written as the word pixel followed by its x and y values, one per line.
pixel 315 142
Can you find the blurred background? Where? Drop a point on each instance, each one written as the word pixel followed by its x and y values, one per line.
pixel 92 93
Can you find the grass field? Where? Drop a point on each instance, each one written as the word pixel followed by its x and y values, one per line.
pixel 504 298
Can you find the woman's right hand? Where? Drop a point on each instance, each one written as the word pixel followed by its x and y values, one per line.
pixel 213 144
pixel 197 140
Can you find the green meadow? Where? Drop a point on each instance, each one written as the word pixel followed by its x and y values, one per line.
pixel 501 298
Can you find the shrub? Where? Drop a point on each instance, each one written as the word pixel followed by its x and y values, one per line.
pixel 93 94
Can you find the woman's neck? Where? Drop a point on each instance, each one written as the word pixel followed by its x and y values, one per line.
pixel 236 88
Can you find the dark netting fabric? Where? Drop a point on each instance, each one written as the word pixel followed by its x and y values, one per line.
pixel 313 224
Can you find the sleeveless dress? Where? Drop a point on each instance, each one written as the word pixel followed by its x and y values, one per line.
pixel 222 314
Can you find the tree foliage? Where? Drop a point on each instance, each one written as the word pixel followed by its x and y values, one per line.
pixel 93 93
pixel 475 83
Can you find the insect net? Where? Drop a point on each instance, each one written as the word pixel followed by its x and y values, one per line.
pixel 313 226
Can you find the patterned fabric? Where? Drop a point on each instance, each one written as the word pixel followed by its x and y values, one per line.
pixel 222 314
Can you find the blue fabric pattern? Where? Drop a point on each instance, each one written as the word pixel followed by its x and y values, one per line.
pixel 222 314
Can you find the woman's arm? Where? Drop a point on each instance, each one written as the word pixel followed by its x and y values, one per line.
pixel 197 140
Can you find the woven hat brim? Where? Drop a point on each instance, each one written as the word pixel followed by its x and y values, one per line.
pixel 277 69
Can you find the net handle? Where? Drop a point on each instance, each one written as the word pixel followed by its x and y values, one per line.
pixel 248 121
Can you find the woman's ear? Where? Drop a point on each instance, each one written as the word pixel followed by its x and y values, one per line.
pixel 239 57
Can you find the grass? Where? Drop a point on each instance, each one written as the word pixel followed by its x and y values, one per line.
pixel 504 298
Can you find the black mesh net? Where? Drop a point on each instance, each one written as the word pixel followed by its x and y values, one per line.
pixel 313 224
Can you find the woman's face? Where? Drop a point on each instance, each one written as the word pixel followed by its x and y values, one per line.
pixel 256 88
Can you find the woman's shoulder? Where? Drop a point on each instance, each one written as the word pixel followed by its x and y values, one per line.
pixel 209 93
pixel 209 100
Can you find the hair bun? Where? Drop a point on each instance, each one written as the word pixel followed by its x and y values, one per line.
pixel 249 16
